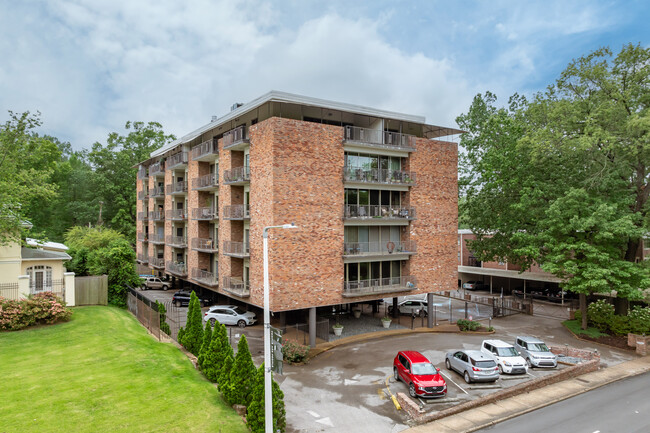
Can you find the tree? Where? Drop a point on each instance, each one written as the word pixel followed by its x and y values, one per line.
pixel 241 376
pixel 216 353
pixel 224 376
pixel 193 335
pixel 255 415
pixel 207 339
pixel 162 311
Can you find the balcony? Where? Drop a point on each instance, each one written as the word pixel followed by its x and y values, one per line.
pixel 157 262
pixel 143 216
pixel 236 139
pixel 236 249
pixel 143 237
pixel 204 245
pixel 143 195
pixel 378 286
pixel 204 214
pixel 157 169
pixel 379 139
pixel 177 188
pixel 209 182
pixel 236 212
pixel 158 191
pixel 176 214
pixel 176 268
pixel 236 286
pixel 377 215
pixel 157 215
pixel 392 250
pixel 176 241
pixel 205 277
pixel 376 176
pixel 474 262
pixel 176 161
pixel 143 258
pixel 142 173
pixel 206 151
pixel 237 176
pixel 157 239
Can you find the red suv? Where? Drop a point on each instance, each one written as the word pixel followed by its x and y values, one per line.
pixel 421 376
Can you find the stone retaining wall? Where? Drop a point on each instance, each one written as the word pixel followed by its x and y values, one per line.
pixel 575 353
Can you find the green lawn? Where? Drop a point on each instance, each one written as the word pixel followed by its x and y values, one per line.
pixel 102 372
pixel 575 327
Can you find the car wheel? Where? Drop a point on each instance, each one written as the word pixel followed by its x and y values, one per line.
pixel 412 391
pixel 500 369
pixel 395 375
pixel 165 288
pixel 241 324
pixel 467 378
pixel 177 303
pixel 212 321
pixel 528 363
pixel 447 364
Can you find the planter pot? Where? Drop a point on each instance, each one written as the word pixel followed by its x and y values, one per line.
pixel 338 331
pixel 386 323
pixel 357 313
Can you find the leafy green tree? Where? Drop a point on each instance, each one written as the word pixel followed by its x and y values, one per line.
pixel 255 414
pixel 241 376
pixel 224 376
pixel 207 339
pixel 216 353
pixel 193 335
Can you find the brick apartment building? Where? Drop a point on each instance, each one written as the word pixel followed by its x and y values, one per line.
pixel 374 194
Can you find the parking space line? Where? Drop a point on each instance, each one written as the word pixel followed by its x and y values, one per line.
pixel 452 381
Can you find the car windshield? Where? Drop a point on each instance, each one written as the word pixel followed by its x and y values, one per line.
pixel 507 351
pixel 538 347
pixel 238 310
pixel 484 364
pixel 424 368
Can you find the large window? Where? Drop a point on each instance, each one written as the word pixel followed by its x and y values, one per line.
pixel 372 197
pixel 368 162
pixel 382 273
pixel 40 278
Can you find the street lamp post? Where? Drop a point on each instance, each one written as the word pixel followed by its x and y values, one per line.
pixel 268 389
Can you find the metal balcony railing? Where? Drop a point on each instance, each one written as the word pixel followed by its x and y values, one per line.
pixel 157 262
pixel 206 181
pixel 234 137
pixel 237 174
pixel 236 212
pixel 205 277
pixel 177 159
pixel 177 268
pixel 143 237
pixel 236 286
pixel 204 214
pixel 177 187
pixel 376 211
pixel 378 248
pixel 377 175
pixel 157 239
pixel 143 258
pixel 208 147
pixel 157 169
pixel 239 249
pixel 204 244
pixel 376 138
pixel 158 191
pixel 143 195
pixel 157 215
pixel 176 241
pixel 176 214
pixel 379 285
pixel 142 173
pixel 143 216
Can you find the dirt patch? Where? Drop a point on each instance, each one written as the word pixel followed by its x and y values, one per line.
pixel 618 342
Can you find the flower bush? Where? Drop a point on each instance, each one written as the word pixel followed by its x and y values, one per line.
pixel 294 351
pixel 600 314
pixel 42 308
pixel 639 320
pixel 468 325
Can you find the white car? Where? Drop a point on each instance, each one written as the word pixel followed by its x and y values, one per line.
pixel 229 315
pixel 508 359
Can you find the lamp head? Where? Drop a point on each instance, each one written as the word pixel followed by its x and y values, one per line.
pixel 289 226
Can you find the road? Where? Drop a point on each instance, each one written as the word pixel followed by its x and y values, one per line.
pixel 621 407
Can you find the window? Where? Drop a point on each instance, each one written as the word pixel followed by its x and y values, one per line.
pixel 40 278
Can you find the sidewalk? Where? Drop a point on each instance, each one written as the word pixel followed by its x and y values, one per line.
pixel 490 414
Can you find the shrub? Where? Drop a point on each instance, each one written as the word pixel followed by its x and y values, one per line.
pixel 255 414
pixel 619 325
pixel 43 308
pixel 207 339
pixel 577 315
pixel 639 320
pixel 193 335
pixel 600 314
pixel 224 376
pixel 294 351
pixel 241 377
pixel 468 325
pixel 164 326
pixel 216 353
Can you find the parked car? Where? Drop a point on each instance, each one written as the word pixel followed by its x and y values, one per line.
pixel 476 285
pixel 421 376
pixel 410 306
pixel 151 282
pixel 473 365
pixel 229 315
pixel 506 356
pixel 182 299
pixel 535 352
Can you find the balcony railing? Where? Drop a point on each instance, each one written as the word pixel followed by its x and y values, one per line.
pixel 177 160
pixel 142 195
pixel 378 248
pixel 236 212
pixel 157 262
pixel 176 241
pixel 237 249
pixel 379 285
pixel 157 215
pixel 143 237
pixel 157 169
pixel 234 137
pixel 377 175
pixel 207 181
pixel 158 191
pixel 157 239
pixel 176 214
pixel 376 138
pixel 473 262
pixel 236 286
pixel 143 216
pixel 206 150
pixel 177 188
pixel 380 212
pixel 205 277
pixel 204 214
pixel 143 258
pixel 142 173
pixel 204 245
pixel 177 268
pixel 237 174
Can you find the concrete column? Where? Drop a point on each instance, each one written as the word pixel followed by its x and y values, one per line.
pixel 429 310
pixel 312 327
pixel 395 313
pixel 68 281
pixel 283 318
pixel 23 286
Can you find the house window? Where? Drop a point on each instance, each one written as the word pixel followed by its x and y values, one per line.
pixel 40 278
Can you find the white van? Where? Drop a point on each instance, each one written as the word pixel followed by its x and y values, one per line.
pixel 508 359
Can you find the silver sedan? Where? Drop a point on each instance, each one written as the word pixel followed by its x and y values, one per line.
pixel 473 365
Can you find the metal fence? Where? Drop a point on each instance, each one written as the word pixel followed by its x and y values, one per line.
pixel 9 291
pixel 300 331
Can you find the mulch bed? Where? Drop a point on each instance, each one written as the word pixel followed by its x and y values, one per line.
pixel 618 342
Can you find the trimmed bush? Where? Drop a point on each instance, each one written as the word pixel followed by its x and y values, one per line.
pixel 294 351
pixel 216 353
pixel 468 325
pixel 42 308
pixel 600 314
pixel 193 335
pixel 255 416
pixel 577 315
pixel 639 320
pixel 241 377
pixel 207 339
pixel 224 376
pixel 619 325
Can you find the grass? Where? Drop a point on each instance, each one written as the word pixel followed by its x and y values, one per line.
pixel 575 327
pixel 102 372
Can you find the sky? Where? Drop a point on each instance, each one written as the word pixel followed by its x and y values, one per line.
pixel 89 66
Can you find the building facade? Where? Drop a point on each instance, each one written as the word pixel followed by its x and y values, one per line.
pixel 373 193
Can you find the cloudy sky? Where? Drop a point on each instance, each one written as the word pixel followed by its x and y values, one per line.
pixel 91 65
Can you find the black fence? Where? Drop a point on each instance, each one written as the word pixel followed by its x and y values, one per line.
pixel 9 291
